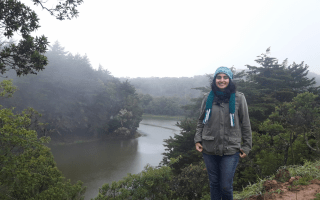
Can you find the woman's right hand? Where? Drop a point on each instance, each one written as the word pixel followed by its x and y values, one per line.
pixel 199 147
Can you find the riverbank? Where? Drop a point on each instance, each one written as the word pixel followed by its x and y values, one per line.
pixel 79 140
pixel 162 117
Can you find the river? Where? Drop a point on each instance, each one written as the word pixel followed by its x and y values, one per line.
pixel 100 162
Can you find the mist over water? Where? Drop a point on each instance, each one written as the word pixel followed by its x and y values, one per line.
pixel 100 162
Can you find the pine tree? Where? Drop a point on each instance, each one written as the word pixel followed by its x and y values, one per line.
pixel 273 83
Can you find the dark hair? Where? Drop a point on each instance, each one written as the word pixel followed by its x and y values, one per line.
pixel 231 88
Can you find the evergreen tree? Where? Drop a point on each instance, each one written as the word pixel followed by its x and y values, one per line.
pixel 181 147
pixel 271 84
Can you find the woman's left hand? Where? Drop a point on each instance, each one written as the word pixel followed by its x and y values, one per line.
pixel 243 154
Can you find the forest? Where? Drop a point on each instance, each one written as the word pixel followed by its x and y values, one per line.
pixel 75 100
pixel 167 95
pixel 171 95
pixel 50 94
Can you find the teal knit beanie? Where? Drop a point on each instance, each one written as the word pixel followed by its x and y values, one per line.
pixel 224 70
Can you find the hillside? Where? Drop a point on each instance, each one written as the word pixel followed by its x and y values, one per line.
pixel 169 86
pixel 179 86
pixel 75 100
pixel 290 182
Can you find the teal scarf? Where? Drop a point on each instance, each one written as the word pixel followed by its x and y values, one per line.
pixel 232 106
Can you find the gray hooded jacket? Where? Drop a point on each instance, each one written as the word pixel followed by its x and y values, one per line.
pixel 217 136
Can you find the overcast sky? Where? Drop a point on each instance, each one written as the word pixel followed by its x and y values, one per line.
pixel 175 38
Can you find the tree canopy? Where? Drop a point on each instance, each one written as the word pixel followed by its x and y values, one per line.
pixel 77 100
pixel 27 56
pixel 27 167
pixel 272 83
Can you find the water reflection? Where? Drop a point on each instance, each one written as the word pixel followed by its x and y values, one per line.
pixel 96 163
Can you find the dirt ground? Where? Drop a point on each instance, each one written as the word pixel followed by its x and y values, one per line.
pixel 288 190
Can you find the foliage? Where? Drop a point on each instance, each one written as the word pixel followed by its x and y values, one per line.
pixel 181 87
pixel 308 171
pixel 281 140
pixel 6 88
pixel 168 95
pixel 27 56
pixel 76 100
pixel 181 146
pixel 303 181
pixel 162 105
pixel 251 189
pixel 27 167
pixel 62 11
pixel 159 183
pixel 151 183
pixel 273 83
pixel 275 142
pixel 283 175
pixel 191 183
pixel 308 168
pixel 291 120
pixel 317 197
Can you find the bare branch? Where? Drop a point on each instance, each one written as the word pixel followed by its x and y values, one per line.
pixel 307 142
pixel 43 7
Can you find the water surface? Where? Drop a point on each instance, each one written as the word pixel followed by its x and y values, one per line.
pixel 100 162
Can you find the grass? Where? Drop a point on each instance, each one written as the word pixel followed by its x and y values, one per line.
pixel 309 171
pixel 303 181
pixel 317 197
pixel 278 191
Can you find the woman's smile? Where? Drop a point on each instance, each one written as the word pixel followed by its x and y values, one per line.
pixel 222 81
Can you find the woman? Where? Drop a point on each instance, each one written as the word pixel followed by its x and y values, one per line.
pixel 223 121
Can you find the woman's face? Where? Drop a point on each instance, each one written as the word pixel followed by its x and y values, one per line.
pixel 222 81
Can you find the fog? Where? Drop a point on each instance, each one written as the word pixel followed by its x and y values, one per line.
pixel 186 38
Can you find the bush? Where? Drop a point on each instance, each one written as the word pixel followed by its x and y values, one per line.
pixel 191 183
pixel 283 175
pixel 27 167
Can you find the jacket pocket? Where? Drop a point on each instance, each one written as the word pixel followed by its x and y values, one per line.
pixel 208 143
pixel 234 142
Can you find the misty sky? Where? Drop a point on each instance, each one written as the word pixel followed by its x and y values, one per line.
pixel 175 38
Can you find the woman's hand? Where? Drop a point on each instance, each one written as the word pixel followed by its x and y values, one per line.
pixel 199 147
pixel 243 154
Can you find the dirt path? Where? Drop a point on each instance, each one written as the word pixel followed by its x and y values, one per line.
pixel 287 191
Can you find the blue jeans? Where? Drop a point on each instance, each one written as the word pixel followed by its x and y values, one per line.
pixel 221 171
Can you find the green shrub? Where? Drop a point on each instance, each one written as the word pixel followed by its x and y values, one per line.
pixel 283 175
pixel 317 197
pixel 303 181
